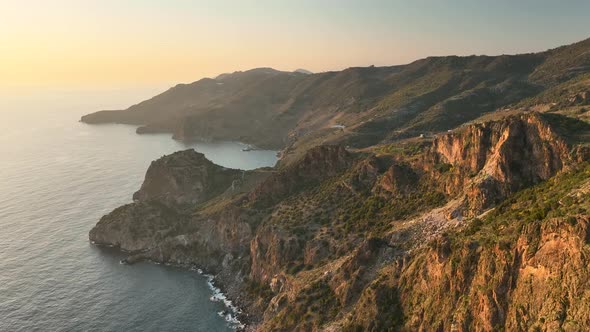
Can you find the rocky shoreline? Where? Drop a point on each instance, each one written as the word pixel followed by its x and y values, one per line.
pixel 334 240
pixel 235 315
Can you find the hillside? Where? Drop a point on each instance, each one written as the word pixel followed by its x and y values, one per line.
pixel 430 234
pixel 357 106
pixel 454 196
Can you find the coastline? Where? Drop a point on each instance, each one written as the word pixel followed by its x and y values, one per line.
pixel 234 315
pixel 240 312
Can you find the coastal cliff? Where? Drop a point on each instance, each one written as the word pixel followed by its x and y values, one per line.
pixel 493 159
pixel 185 178
pixel 484 227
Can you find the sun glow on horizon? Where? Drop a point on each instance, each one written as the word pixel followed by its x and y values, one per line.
pixel 127 43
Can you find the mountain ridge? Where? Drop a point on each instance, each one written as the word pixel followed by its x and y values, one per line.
pixel 293 111
pixel 459 199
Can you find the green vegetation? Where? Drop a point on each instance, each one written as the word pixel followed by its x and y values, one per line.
pixel 385 300
pixel 417 86
pixel 375 214
pixel 443 167
pixel 314 305
pixel 530 207
pixel 259 290
pixel 574 130
pixel 405 149
pixel 559 94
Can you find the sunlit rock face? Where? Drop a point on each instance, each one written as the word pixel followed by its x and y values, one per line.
pixel 494 159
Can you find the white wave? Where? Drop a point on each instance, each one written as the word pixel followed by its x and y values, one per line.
pixel 231 316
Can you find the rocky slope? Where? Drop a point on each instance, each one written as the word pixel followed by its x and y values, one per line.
pixel 172 186
pixel 496 158
pixel 522 267
pixel 482 228
pixel 378 218
pixel 184 178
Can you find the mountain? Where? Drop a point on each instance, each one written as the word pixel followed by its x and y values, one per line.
pixel 294 111
pixel 459 200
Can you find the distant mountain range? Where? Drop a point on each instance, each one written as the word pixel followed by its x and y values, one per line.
pixel 277 109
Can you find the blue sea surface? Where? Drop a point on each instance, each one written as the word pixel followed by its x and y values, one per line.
pixel 57 178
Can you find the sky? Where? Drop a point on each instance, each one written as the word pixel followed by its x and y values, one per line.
pixel 131 43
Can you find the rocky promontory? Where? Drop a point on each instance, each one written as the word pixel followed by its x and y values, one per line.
pixel 418 235
pixel 185 178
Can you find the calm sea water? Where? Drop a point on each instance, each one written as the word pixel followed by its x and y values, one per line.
pixel 57 178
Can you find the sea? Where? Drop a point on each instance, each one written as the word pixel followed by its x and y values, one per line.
pixel 57 178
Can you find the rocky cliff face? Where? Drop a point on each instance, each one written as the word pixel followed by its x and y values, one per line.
pixel 165 225
pixel 317 164
pixel 137 226
pixel 493 159
pixel 172 183
pixel 184 178
pixel 522 268
pixel 370 240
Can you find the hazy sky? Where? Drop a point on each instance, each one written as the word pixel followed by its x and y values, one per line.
pixel 120 43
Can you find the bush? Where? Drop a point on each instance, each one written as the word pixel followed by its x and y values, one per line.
pixel 443 167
